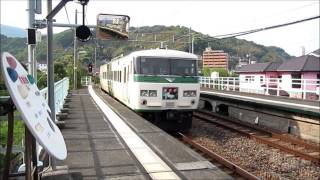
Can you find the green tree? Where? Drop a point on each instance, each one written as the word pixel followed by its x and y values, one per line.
pixel 222 72
pixel 41 80
pixel 59 71
pixel 206 71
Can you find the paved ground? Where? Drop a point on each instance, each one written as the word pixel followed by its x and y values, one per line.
pixel 95 151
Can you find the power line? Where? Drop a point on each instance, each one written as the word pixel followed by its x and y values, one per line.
pixel 67 14
pixel 263 29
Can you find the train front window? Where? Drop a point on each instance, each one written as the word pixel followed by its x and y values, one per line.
pixel 164 66
pixel 183 67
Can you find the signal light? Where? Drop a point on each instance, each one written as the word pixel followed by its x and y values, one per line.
pixel 90 68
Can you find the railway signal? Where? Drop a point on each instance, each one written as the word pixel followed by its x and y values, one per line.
pixel 90 68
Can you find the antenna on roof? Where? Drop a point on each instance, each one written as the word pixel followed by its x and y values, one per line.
pixel 303 50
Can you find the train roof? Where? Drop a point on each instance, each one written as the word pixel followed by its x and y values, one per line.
pixel 164 53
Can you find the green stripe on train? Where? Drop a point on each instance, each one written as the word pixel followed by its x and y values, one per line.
pixel 165 79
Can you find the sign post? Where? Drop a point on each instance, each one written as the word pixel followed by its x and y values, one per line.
pixel 34 111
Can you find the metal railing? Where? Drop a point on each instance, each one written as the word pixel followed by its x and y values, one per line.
pixel 308 89
pixel 86 80
pixel 60 93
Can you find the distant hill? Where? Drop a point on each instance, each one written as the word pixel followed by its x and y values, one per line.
pixel 11 31
pixel 63 45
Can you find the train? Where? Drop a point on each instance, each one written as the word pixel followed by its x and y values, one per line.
pixel 162 85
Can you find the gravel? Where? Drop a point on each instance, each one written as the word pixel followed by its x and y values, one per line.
pixel 260 159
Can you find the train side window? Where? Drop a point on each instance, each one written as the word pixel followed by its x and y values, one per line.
pixel 120 76
pixel 128 72
pixel 124 75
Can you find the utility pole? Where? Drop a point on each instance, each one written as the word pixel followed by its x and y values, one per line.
pixel 190 40
pixel 31 15
pixel 30 142
pixel 50 82
pixel 75 55
pixel 50 70
pixel 192 44
pixel 95 57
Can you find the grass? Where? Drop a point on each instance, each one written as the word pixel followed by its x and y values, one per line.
pixel 18 132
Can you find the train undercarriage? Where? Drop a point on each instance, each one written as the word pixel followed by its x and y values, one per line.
pixel 170 120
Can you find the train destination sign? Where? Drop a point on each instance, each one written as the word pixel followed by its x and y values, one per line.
pixel 33 108
pixel 112 27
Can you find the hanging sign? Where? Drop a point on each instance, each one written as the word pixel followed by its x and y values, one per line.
pixel 33 108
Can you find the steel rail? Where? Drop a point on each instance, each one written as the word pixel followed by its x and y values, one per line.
pixel 272 133
pixel 261 139
pixel 233 167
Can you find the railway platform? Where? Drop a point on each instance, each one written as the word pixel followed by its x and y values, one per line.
pixel 291 105
pixel 282 114
pixel 106 140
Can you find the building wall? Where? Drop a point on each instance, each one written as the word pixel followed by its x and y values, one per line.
pixel 215 59
pixel 252 82
pixel 298 92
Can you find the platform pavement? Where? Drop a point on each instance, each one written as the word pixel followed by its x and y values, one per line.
pixel 95 151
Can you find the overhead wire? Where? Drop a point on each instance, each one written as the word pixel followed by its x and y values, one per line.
pixel 67 14
pixel 242 33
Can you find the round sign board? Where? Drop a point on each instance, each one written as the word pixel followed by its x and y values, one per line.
pixel 33 108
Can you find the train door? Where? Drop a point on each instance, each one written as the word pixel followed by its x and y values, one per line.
pixel 125 84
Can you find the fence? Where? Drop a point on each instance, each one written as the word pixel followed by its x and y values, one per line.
pixel 86 80
pixel 295 88
pixel 60 93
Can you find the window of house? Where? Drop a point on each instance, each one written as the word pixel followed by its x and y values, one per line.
pixel 318 79
pixel 280 78
pixel 261 79
pixel 296 80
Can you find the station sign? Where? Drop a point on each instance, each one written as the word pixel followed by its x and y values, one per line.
pixel 112 27
pixel 33 107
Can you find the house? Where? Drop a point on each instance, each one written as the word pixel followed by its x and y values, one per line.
pixel 301 73
pixel 253 76
pixel 298 77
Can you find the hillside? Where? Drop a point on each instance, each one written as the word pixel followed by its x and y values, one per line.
pixel 63 45
pixel 11 31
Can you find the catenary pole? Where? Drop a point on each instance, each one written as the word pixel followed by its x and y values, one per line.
pixel 75 54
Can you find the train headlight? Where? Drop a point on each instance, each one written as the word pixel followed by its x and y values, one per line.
pixel 189 93
pixel 152 93
pixel 144 93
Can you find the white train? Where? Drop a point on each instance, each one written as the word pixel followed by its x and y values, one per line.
pixel 160 84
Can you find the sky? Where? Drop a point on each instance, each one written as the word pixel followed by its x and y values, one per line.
pixel 208 17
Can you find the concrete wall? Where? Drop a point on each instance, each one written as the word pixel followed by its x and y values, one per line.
pixel 300 125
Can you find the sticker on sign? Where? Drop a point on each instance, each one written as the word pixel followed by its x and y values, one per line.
pixel 33 108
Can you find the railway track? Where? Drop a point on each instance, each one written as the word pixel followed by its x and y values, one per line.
pixel 276 140
pixel 229 167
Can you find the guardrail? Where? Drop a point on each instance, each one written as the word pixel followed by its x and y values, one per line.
pixel 294 88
